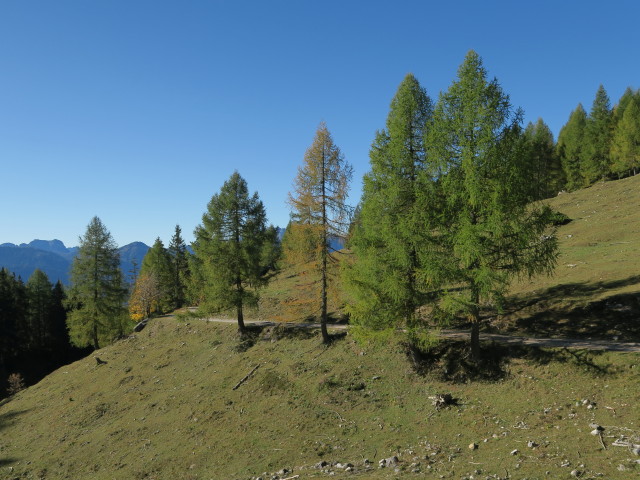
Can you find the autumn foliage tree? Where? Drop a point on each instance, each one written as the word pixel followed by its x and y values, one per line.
pixel 319 211
pixel 145 296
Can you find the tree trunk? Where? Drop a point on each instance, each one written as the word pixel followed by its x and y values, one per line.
pixel 325 248
pixel 323 315
pixel 475 326
pixel 95 335
pixel 241 327
pixel 475 342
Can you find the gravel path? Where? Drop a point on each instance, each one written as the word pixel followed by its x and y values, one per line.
pixel 585 344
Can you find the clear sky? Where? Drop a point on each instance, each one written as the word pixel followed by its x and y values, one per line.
pixel 138 111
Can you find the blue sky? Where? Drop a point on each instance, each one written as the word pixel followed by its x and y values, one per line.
pixel 138 111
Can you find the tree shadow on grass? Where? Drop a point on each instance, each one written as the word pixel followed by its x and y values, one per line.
pixel 248 337
pixel 567 310
pixel 450 360
pixel 8 417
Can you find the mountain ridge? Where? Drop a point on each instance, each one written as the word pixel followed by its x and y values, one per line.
pixel 54 258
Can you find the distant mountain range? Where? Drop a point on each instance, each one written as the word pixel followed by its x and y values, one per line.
pixel 54 258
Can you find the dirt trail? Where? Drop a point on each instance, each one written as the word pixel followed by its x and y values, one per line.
pixel 585 344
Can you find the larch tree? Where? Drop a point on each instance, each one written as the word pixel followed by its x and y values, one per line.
pixel 618 111
pixel 157 261
pixel 625 144
pixel 570 148
pixel 596 162
pixel 319 209
pixel 179 267
pixel 58 317
pixel 40 304
pixel 389 237
pixel 546 176
pixel 97 294
pixel 228 247
pixel 13 312
pixel 145 296
pixel 486 227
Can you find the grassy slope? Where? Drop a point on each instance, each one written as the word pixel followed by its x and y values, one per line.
pixel 163 406
pixel 595 291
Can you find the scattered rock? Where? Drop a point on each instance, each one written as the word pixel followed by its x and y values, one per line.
pixel 473 446
pixel 388 462
pixel 442 400
pixel 321 464
pixel 515 451
pixel 596 427
pixel 531 444
pixel 575 473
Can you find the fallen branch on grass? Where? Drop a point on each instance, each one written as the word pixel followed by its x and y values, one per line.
pixel 246 377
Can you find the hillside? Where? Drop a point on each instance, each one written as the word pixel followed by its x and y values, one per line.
pixel 595 292
pixel 163 407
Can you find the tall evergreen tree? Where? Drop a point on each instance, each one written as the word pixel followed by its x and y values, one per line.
pixel 58 321
pixel 570 148
pixel 97 292
pixel 13 308
pixel 40 306
pixel 228 246
pixel 546 177
pixel 272 250
pixel 388 239
pixel 596 162
pixel 618 111
pixel 625 145
pixel 319 209
pixel 158 262
pixel 486 229
pixel 179 267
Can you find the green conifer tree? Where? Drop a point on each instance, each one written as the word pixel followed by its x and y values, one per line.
pixel 625 145
pixel 388 240
pixel 97 293
pixel 13 312
pixel 570 148
pixel 158 262
pixel 545 178
pixel 179 267
pixel 618 111
pixel 486 229
pixel 228 248
pixel 40 304
pixel 58 322
pixel 596 163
